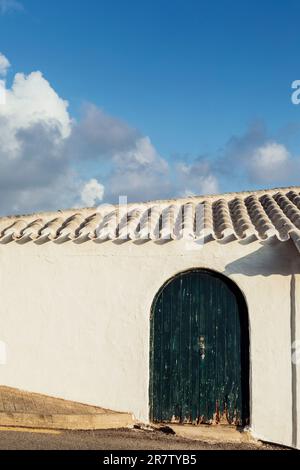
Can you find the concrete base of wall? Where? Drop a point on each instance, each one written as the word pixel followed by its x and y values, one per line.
pixel 67 422
pixel 33 410
pixel 214 433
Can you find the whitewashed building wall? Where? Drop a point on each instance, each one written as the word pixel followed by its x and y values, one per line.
pixel 75 321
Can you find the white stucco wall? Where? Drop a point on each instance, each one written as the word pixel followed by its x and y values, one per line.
pixel 75 321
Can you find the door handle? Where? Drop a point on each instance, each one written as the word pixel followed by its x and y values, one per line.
pixel 202 347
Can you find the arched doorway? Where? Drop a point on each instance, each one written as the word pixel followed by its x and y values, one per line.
pixel 199 351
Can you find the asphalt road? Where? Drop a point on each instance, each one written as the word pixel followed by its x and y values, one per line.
pixel 124 439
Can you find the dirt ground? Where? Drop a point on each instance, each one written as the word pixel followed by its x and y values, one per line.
pixel 121 439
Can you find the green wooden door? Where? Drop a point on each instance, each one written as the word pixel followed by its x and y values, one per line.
pixel 199 360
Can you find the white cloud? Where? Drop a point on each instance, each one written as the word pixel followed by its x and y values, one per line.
pixel 99 136
pixel 34 126
pixel 254 157
pixel 196 178
pixel 31 101
pixel 4 65
pixel 57 191
pixel 272 163
pixel 140 173
pixel 43 151
pixel 41 147
pixel 270 157
pixel 2 92
pixel 92 192
pixel 205 185
pixel 7 6
pixel 209 184
pixel 142 154
pixel 132 165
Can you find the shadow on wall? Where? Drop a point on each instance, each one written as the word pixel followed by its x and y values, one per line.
pixel 283 259
pixel 273 257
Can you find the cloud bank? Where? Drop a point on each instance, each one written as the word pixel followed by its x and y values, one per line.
pixel 44 151
pixel 49 160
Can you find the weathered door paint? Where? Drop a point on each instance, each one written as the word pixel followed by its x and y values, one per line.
pixel 199 359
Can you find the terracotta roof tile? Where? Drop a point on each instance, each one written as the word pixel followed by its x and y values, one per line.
pixel 242 216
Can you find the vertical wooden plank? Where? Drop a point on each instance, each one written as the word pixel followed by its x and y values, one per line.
pixel 195 350
pixel 159 352
pixel 177 314
pixel 191 388
pixel 185 378
pixel 165 367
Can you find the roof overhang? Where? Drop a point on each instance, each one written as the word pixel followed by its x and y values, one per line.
pixel 256 215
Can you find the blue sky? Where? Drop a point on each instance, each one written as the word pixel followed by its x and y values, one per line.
pixel 199 91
